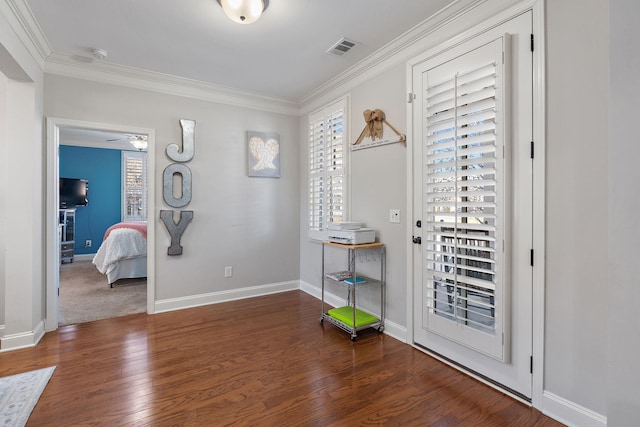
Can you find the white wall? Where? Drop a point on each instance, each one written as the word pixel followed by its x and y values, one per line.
pixel 623 292
pixel 250 224
pixel 24 255
pixel 577 199
pixel 21 221
pixel 378 183
pixel 4 82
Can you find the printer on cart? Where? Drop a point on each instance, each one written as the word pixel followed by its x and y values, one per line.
pixel 350 233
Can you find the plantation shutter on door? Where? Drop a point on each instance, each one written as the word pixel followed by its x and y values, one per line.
pixel 327 169
pixel 464 203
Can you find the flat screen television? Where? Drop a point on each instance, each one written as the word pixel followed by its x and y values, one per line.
pixel 73 192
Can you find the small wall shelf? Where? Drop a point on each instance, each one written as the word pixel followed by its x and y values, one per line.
pixel 350 318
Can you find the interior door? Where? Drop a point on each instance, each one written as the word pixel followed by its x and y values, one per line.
pixel 472 120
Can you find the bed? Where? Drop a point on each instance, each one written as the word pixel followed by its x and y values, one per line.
pixel 123 252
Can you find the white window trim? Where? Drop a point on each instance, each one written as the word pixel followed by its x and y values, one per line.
pixel 324 113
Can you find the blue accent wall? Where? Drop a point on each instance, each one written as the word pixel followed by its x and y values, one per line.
pixel 101 167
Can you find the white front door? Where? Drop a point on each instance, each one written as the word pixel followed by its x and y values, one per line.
pixel 472 120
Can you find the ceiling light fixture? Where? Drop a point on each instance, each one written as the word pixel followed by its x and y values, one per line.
pixel 244 11
pixel 139 142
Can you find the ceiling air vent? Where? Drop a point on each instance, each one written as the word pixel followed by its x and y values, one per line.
pixel 341 47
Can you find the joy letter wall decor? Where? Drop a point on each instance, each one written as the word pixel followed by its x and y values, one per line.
pixel 184 173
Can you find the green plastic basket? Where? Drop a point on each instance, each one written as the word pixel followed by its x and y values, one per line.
pixel 345 315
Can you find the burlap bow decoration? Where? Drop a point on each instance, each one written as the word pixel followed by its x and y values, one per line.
pixel 373 129
pixel 374 121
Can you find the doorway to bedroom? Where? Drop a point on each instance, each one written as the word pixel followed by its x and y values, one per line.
pixel 102 181
pixel 104 170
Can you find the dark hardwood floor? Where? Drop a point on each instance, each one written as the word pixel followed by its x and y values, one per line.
pixel 263 361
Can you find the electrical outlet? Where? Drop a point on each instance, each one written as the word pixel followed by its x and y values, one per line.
pixel 228 271
pixel 394 215
pixel 87 243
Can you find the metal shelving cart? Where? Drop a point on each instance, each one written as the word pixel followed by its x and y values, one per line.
pixel 350 318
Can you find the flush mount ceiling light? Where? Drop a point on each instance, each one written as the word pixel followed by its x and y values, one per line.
pixel 244 11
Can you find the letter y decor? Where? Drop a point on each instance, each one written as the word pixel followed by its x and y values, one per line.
pixel 176 230
pixel 181 171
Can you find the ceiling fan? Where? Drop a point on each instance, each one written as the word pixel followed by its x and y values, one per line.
pixel 138 141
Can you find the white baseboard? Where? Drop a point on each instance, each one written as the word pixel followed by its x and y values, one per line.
pixel 83 257
pixel 22 339
pixel 390 328
pixel 331 299
pixel 224 296
pixel 570 413
pixel 396 331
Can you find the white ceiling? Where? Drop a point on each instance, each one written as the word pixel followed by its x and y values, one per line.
pixel 95 138
pixel 282 55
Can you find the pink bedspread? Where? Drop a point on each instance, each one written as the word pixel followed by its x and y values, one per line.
pixel 138 226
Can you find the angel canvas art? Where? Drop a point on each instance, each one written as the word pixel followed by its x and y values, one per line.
pixel 264 154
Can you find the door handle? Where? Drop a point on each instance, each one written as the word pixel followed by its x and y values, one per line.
pixel 417 240
pixel 419 224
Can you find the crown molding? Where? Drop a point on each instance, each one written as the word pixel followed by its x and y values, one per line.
pixel 136 78
pixel 30 34
pixel 26 27
pixel 393 53
pixel 20 17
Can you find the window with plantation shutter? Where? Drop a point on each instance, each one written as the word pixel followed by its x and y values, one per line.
pixel 327 168
pixel 134 186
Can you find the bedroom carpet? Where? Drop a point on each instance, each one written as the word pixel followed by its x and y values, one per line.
pixel 85 295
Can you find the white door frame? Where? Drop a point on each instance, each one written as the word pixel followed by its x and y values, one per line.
pixel 539 125
pixel 51 217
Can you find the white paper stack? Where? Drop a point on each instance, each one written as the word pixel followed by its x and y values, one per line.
pixel 345 226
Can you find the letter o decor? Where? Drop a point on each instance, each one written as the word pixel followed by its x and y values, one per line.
pixel 167 185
